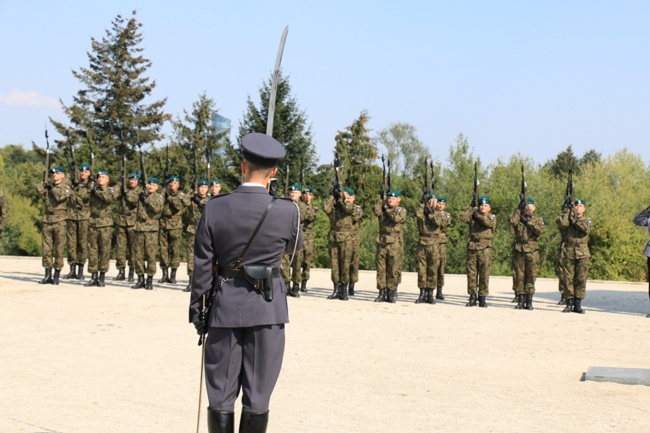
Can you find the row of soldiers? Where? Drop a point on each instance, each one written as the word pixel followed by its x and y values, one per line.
pixel 79 214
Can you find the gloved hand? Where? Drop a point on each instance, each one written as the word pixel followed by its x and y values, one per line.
pixel 336 192
pixel 196 199
pixel 143 196
pixel 201 327
pixel 75 182
pixel 47 185
pixel 385 207
pixel 427 211
pixel 524 219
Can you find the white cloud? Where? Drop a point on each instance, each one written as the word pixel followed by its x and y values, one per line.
pixel 28 98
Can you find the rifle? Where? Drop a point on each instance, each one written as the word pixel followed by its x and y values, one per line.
pixel 207 158
pixel 476 186
pixel 523 194
pixel 167 163
pixel 425 185
pixel 336 188
pixel 568 195
pixel 91 178
pixel 286 182
pixel 145 179
pixel 72 161
pixel 124 175
pixel 384 189
pixel 433 179
pixel 47 157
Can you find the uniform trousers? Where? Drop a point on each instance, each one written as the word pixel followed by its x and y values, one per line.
pixel 53 244
pixel 354 259
pixel 442 263
pixel 340 258
pixel 124 242
pixel 576 272
pixel 99 247
pixel 146 249
pixel 389 265
pixel 170 248
pixel 427 257
pixel 77 234
pixel 249 359
pixel 479 267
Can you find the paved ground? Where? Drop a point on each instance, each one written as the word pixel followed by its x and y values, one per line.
pixel 79 359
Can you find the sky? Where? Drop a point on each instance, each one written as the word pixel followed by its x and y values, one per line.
pixel 514 77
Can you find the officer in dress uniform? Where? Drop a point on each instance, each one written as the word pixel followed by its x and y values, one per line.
pixel 245 326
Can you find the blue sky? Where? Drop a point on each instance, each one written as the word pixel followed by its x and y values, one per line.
pixel 512 76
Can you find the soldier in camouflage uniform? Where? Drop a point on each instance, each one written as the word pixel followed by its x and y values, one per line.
pixel 215 188
pixel 559 268
pixel 390 245
pixel 102 197
pixel 576 253
pixel 525 254
pixel 199 200
pixel 291 268
pixel 150 208
pixel 77 224
pixel 171 229
pixel 343 215
pixel 355 244
pixel 428 253
pixel 56 195
pixel 125 239
pixel 443 220
pixel 482 224
pixel 305 256
pixel 4 211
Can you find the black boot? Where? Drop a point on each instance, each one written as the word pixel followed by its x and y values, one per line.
pixel 343 293
pixel 529 302
pixel 429 296
pixel 391 295
pixel 120 275
pixel 93 280
pixel 423 297
pixel 140 283
pixel 295 290
pixel 253 423
pixel 172 277
pixel 165 278
pixel 335 293
pixel 562 301
pixel 55 277
pixel 515 299
pixel 188 288
pixel 102 277
pixel 221 422
pixel 149 284
pixel 472 301
pixel 481 302
pixel 382 296
pixel 351 289
pixel 439 294
pixel 71 274
pixel 130 278
pixel 80 272
pixel 576 306
pixel 48 277
pixel 569 306
pixel 303 286
pixel 520 302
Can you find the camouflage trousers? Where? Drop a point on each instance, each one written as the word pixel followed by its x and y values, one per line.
pixel 442 264
pixel 76 232
pixel 170 248
pixel 145 250
pixel 576 273
pixel 53 245
pixel 428 257
pixel 290 270
pixel 525 267
pixel 354 260
pixel 306 257
pixel 479 267
pixel 191 237
pixel 99 249
pixel 560 271
pixel 341 258
pixel 389 265
pixel 124 242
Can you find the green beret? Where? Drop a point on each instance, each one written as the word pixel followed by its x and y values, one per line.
pixel 442 199
pixel 295 187
pixel 429 197
pixel 153 179
pixel 581 201
pixel 215 181
pixel 103 172
pixel 308 189
pixel 84 166
pixel 202 182
pixel 530 200
pixel 484 200
pixel 57 169
pixel 350 191
pixel 173 178
pixel 393 193
pixel 134 176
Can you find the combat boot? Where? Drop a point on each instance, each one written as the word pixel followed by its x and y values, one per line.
pixel 439 294
pixel 520 302
pixel 149 284
pixel 140 283
pixel 423 297
pixel 71 274
pixel 93 280
pixel 343 294
pixel 172 277
pixel 80 272
pixel 130 278
pixel 390 297
pixel 529 302
pixel 165 278
pixel 253 423
pixel 188 288
pixel 120 275
pixel 303 286
pixel 220 422
pixel 335 293
pixel 569 306
pixel 482 302
pixel 382 295
pixel 55 277
pixel 429 296
pixel 562 301
pixel 472 301
pixel 48 277
pixel 351 289
pixel 576 306
pixel 101 280
pixel 515 299
pixel 295 290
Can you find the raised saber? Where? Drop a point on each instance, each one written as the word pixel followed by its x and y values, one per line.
pixel 274 83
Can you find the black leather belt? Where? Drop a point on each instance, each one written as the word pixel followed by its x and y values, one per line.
pixel 239 273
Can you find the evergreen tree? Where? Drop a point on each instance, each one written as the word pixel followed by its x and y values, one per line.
pixel 109 115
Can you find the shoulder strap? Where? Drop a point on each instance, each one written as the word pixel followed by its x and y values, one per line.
pixel 250 241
